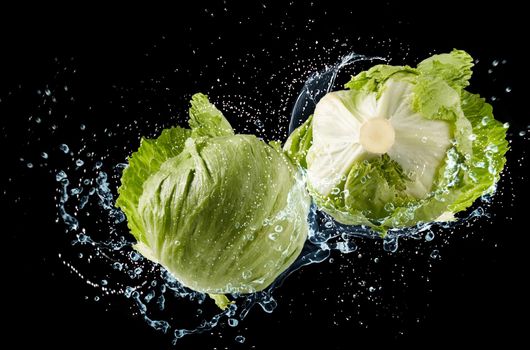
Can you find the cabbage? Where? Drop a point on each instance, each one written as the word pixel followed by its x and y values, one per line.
pixel 402 146
pixel 223 213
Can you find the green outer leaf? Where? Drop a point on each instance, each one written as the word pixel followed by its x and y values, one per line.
pixel 373 79
pixel 298 143
pixel 435 99
pixel 437 92
pixel 489 149
pixel 142 164
pixel 454 68
pixel 206 119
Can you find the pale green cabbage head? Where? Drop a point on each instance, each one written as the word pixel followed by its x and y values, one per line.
pixel 401 146
pixel 223 213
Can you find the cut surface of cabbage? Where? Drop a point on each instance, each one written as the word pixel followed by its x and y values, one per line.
pixel 351 126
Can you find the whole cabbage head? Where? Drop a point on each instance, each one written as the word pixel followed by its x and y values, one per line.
pixel 223 213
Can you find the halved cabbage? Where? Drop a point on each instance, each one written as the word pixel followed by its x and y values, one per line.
pixel 401 146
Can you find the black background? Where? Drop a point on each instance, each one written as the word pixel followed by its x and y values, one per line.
pixel 475 292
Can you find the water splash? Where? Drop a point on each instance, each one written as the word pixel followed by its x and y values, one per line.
pixel 149 287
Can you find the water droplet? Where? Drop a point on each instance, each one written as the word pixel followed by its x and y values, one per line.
pixel 240 339
pixel 472 137
pixel 79 162
pixel 273 236
pixel 96 298
pixel 371 289
pixel 38 120
pixel 135 256
pixel 64 148
pixel 268 305
pixel 522 133
pixel 278 228
pixel 246 274
pixel 44 155
pixel 259 281
pixel 390 243
pixel 493 148
pixel 232 322
pixel 335 190
pixel 435 254
pixel 128 291
pixel 362 283
pixel 104 282
pixel 506 125
pixel 76 190
pixel 328 224
pixel 508 89
pixel 389 207
pixel 29 165
pixel 60 176
pixel 47 92
pixel 346 247
pixel 117 266
pixel 429 236
pixel 424 139
pixel 82 127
